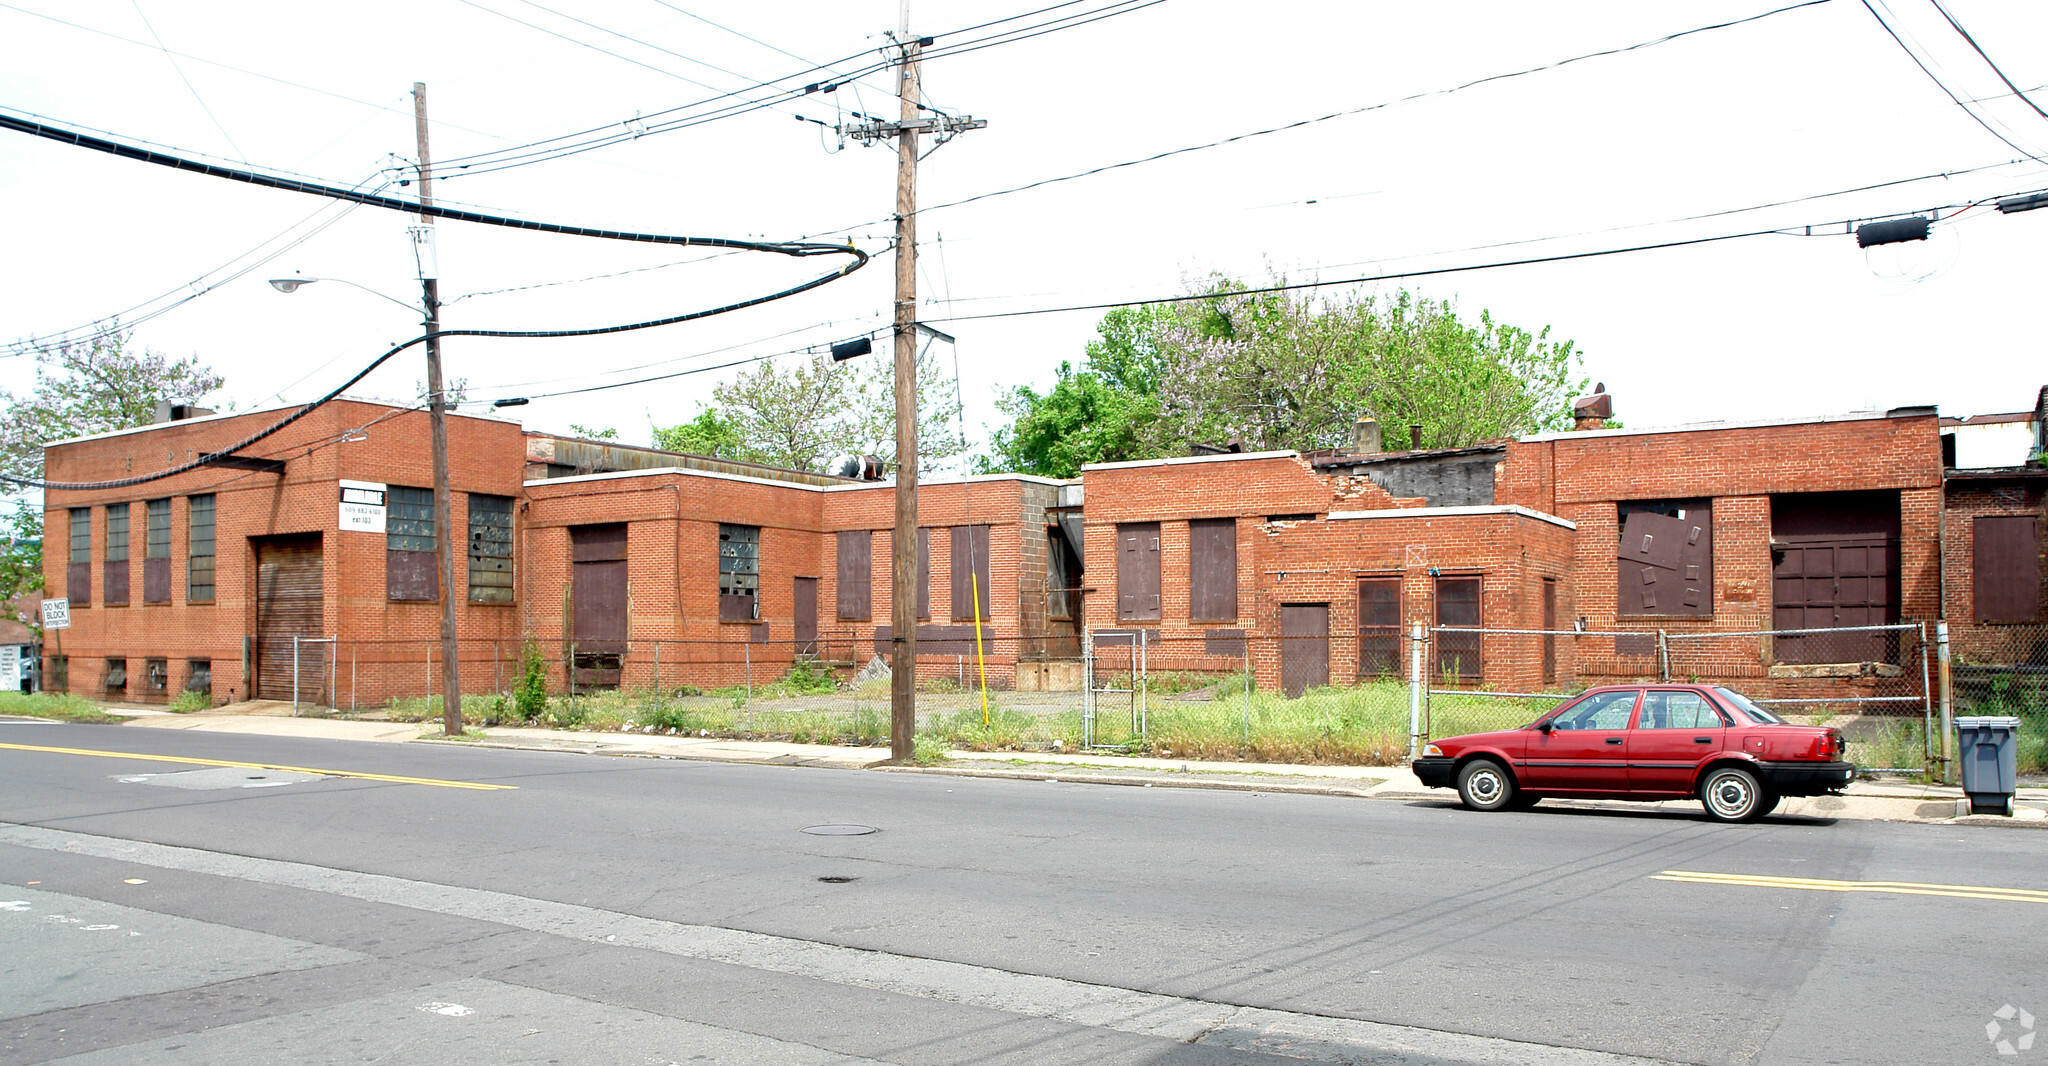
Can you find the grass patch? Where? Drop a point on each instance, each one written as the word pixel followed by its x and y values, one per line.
pixel 189 701
pixel 61 706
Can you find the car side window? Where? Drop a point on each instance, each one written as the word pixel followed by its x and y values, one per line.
pixel 1608 710
pixel 1677 710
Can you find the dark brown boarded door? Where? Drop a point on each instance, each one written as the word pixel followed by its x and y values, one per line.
pixel 970 574
pixel 1137 571
pixel 1835 563
pixel 1212 570
pixel 1379 627
pixel 856 574
pixel 1304 647
pixel 597 601
pixel 287 606
pixel 804 625
pixel 2006 583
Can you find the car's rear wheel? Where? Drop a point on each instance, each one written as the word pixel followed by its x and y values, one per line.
pixel 1484 785
pixel 1733 794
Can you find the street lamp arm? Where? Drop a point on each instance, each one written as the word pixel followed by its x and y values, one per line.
pixel 290 285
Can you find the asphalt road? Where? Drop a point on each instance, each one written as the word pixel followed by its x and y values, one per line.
pixel 607 910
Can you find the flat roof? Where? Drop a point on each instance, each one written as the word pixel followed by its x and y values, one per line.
pixel 851 485
pixel 1709 427
pixel 1452 512
pixel 1227 457
pixel 221 415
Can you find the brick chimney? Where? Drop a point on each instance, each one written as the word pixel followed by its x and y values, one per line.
pixel 1365 435
pixel 1592 412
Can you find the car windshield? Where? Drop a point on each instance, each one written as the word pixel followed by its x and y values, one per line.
pixel 1747 706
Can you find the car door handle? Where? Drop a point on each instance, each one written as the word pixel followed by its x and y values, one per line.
pixel 1703 740
pixel 1614 740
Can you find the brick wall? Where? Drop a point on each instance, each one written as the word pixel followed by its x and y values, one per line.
pixel 1970 499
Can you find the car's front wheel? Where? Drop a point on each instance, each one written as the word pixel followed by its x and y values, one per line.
pixel 1484 785
pixel 1733 794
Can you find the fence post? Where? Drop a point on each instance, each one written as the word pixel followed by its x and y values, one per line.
pixel 1663 657
pixel 1414 689
pixel 1941 652
pixel 657 677
pixel 747 653
pixel 295 675
pixel 1088 687
pixel 351 678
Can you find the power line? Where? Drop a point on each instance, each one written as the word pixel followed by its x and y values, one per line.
pixel 1561 257
pixel 796 249
pixel 1981 54
pixel 1382 105
pixel 193 89
pixel 1943 86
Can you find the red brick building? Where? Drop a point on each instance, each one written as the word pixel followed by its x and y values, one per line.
pixel 638 566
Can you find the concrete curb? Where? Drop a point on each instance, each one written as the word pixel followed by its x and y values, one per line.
pixel 1137 782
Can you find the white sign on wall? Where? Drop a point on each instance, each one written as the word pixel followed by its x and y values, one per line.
pixel 57 613
pixel 10 667
pixel 362 506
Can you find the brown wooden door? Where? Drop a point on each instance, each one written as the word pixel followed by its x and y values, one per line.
pixel 1304 647
pixel 1549 630
pixel 288 604
pixel 804 627
pixel 597 602
pixel 1137 571
pixel 1824 583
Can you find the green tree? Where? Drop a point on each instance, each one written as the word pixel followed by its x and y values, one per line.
pixel 88 387
pixel 707 434
pixel 81 388
pixel 1280 370
pixel 800 414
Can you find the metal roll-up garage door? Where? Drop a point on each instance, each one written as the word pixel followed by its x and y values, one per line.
pixel 287 606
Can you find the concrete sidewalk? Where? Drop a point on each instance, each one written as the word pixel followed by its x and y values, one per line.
pixel 1883 799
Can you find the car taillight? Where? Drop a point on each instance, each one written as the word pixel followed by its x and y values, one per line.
pixel 1833 743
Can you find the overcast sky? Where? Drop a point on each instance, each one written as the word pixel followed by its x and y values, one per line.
pixel 1608 152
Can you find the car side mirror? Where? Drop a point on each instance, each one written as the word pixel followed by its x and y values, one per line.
pixel 1545 726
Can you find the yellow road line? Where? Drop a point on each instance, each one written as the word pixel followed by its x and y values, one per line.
pixel 1814 884
pixel 392 778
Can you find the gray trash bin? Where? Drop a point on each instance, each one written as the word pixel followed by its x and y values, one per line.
pixel 1986 748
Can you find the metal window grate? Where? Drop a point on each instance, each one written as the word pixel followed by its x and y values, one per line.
pixel 156 537
pixel 117 532
pixel 409 524
pixel 739 572
pixel 199 521
pixel 81 534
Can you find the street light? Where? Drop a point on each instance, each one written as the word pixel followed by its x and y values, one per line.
pixel 437 416
pixel 293 284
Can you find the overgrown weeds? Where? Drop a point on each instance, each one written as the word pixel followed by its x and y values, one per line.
pixel 61 706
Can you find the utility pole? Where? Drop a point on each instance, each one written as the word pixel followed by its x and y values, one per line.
pixel 437 419
pixel 903 541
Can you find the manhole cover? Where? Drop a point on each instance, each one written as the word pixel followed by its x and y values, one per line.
pixel 839 830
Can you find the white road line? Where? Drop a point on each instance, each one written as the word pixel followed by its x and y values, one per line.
pixel 1304 1036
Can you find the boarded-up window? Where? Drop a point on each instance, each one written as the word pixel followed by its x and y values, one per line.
pixel 78 573
pixel 2006 577
pixel 970 573
pixel 739 572
pixel 1379 627
pixel 1457 604
pixel 199 549
pixel 856 575
pixel 1666 565
pixel 115 677
pixel 1212 570
pixel 156 552
pixel 409 571
pixel 117 554
pixel 1137 571
pixel 490 548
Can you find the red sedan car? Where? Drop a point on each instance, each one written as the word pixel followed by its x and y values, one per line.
pixel 1645 742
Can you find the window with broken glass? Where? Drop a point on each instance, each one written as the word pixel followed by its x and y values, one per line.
pixel 490 548
pixel 739 572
